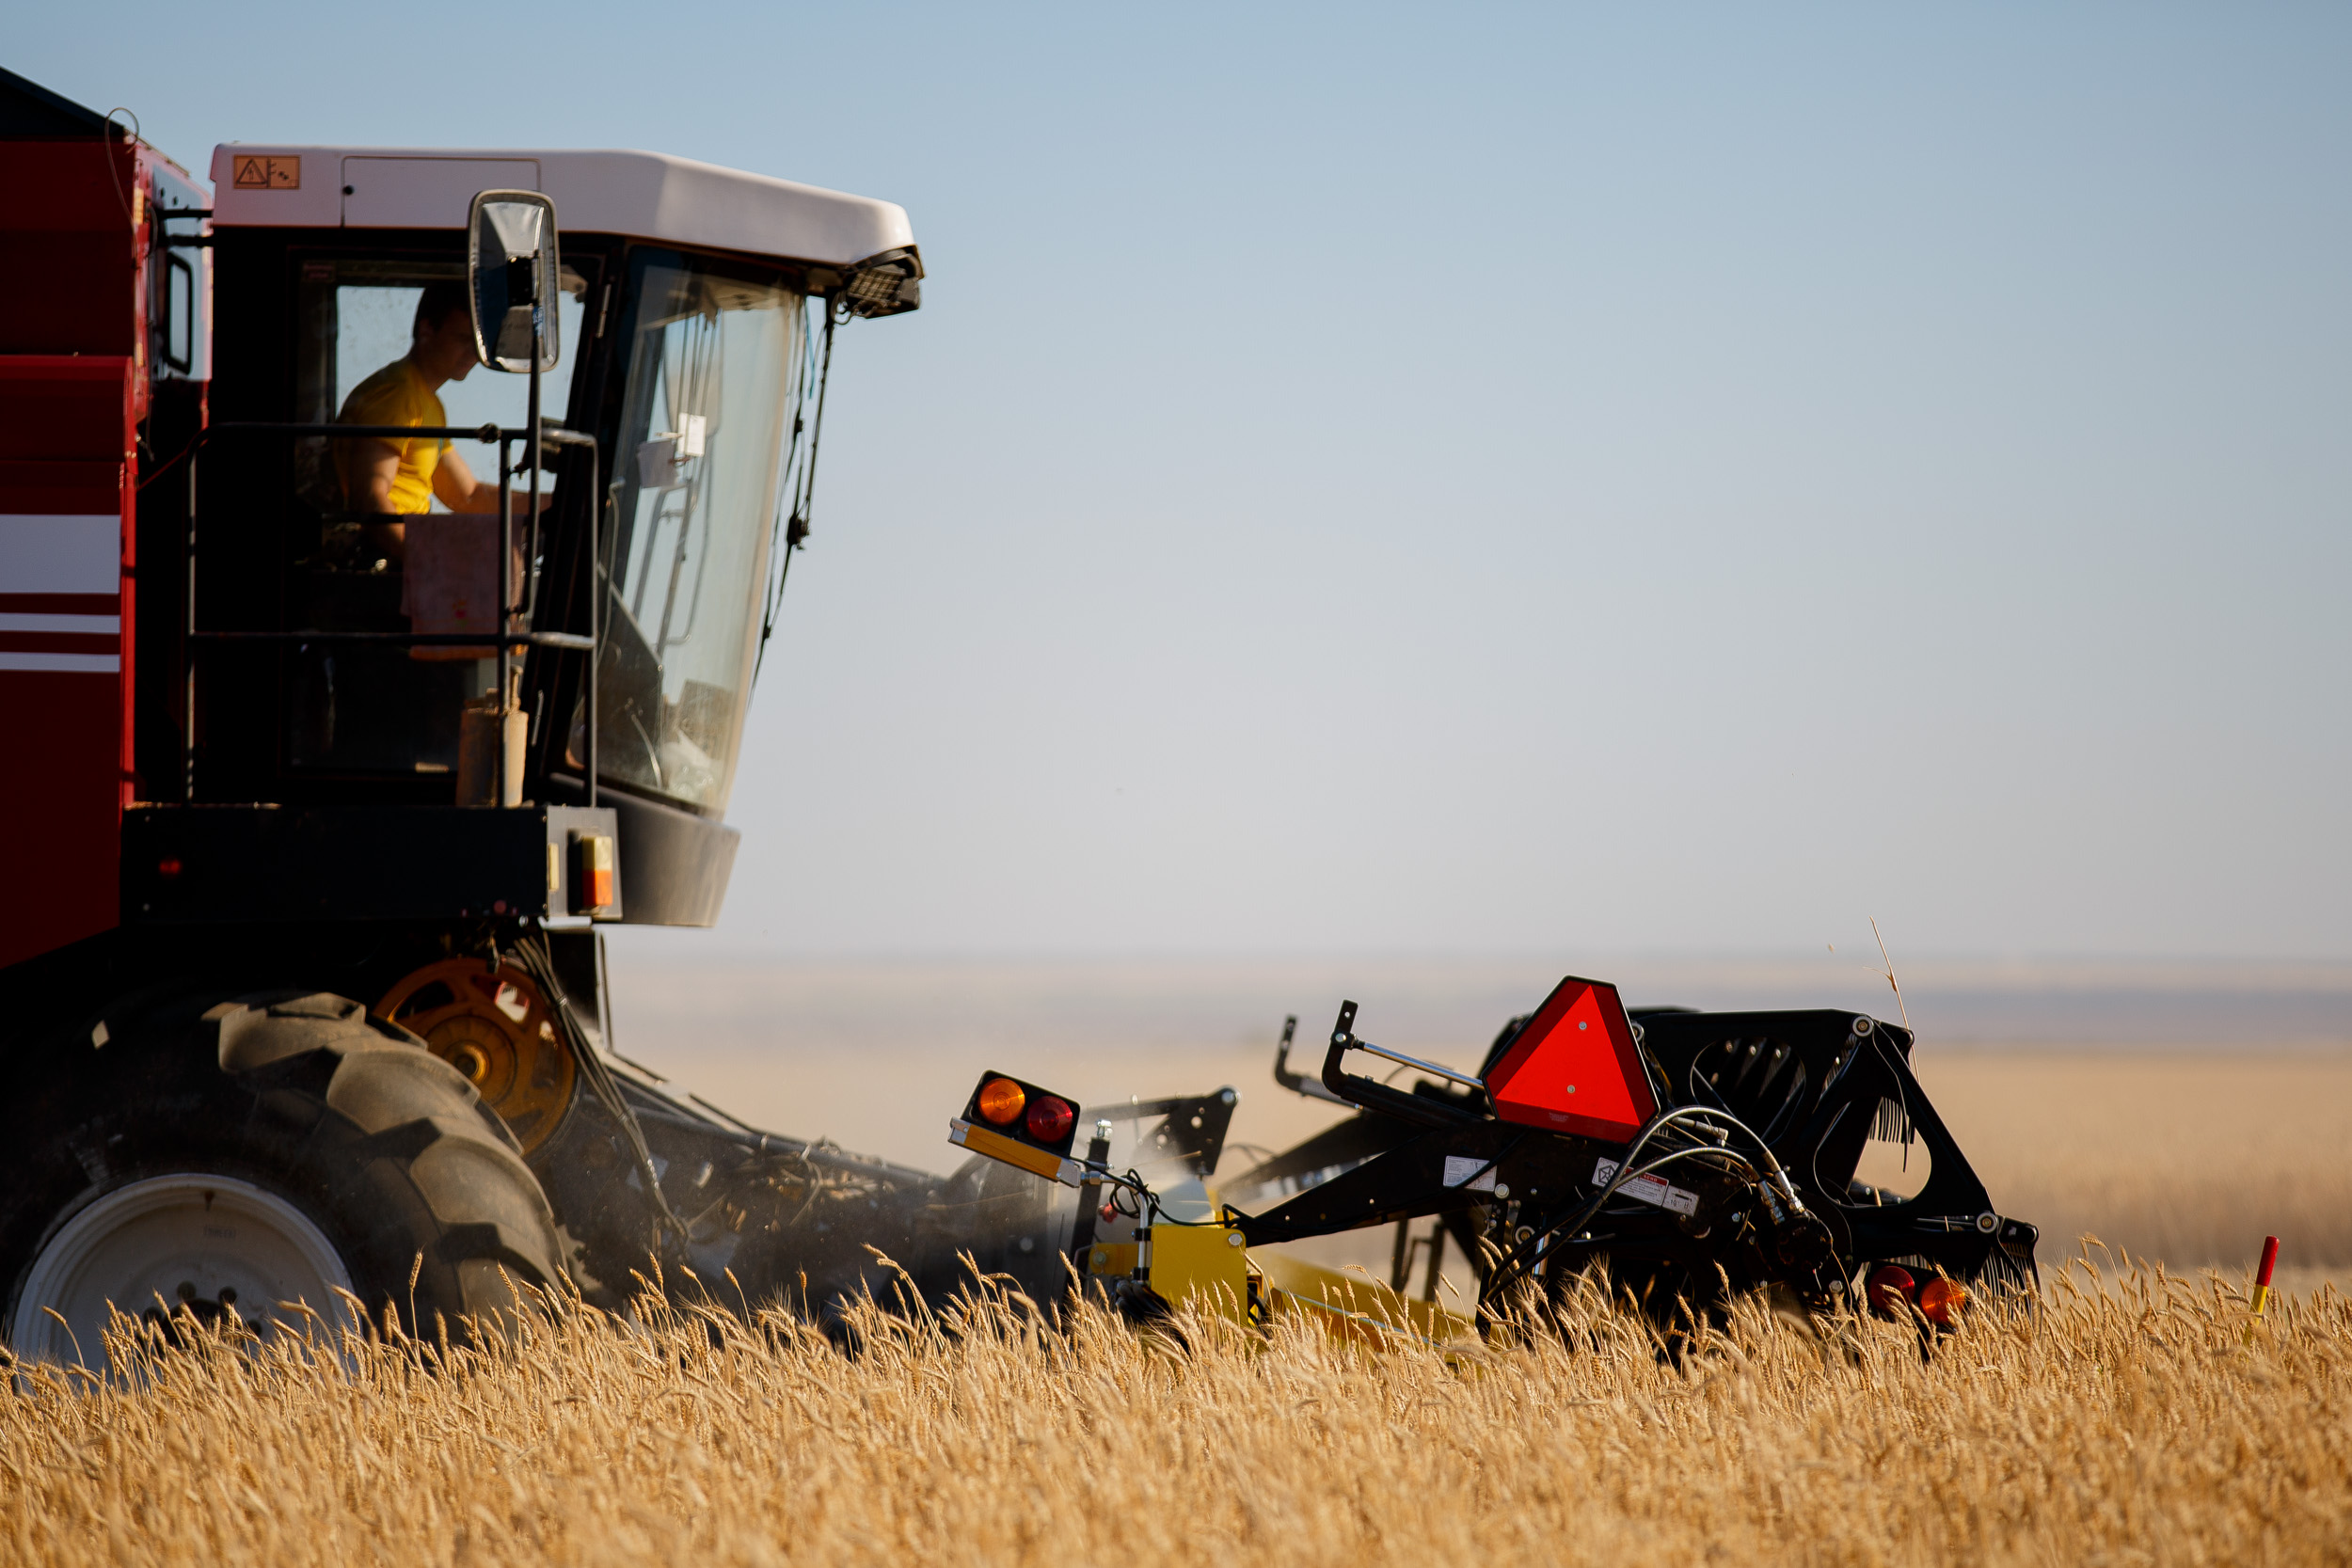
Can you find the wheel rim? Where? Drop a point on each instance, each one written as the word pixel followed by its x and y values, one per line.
pixel 497 1028
pixel 184 1245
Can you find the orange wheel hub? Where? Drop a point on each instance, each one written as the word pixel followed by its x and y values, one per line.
pixel 496 1028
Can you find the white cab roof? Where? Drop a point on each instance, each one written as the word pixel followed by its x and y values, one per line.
pixel 643 195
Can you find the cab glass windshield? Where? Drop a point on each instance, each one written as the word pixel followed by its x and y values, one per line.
pixel 713 366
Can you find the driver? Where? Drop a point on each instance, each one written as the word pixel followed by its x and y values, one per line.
pixel 402 478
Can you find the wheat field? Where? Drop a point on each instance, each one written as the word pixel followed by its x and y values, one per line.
pixel 2125 1419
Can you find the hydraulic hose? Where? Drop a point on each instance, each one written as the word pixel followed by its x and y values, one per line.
pixel 1779 1192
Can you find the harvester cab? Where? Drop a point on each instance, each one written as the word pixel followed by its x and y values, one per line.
pixel 297 656
pixel 387 544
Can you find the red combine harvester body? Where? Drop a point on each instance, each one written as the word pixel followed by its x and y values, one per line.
pixel 103 342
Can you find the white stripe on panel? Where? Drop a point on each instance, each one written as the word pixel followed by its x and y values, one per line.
pixel 106 625
pixel 65 664
pixel 61 555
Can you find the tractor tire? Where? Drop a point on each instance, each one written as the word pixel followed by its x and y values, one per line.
pixel 214 1162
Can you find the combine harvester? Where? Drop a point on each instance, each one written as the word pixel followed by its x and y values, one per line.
pixel 320 798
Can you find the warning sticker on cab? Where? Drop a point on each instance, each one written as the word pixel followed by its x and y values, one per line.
pixel 1649 1189
pixel 252 171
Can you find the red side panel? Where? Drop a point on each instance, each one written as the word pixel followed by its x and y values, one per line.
pixel 1574 1068
pixel 73 260
pixel 66 501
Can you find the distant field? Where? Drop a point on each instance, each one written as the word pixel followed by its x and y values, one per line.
pixel 2191 1159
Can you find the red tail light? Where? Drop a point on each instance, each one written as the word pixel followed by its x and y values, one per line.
pixel 1892 1291
pixel 1050 1120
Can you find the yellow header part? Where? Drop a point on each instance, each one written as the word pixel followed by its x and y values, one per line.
pixel 1203 1262
pixel 1037 1161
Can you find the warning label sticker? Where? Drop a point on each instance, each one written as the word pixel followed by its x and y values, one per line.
pixel 254 171
pixel 1649 1189
pixel 1479 1174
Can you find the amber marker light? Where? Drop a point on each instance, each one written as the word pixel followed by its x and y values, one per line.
pixel 1941 1300
pixel 1001 1102
pixel 596 872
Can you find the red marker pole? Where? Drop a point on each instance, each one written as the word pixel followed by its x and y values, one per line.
pixel 2262 1283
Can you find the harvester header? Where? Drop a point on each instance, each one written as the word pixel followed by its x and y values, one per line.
pixel 1696 1155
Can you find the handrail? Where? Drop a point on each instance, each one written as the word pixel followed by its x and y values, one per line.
pixel 1366 1094
pixel 489 434
pixel 408 639
pixel 1399 1058
pixel 538 434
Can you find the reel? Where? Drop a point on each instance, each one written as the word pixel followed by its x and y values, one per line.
pixel 494 1027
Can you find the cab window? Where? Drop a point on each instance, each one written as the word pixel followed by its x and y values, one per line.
pixel 355 708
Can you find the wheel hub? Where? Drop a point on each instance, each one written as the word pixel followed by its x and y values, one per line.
pixel 185 1249
pixel 494 1027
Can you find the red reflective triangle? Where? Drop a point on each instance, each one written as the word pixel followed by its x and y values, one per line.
pixel 1574 1068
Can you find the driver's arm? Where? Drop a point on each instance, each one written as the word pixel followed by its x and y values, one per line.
pixel 454 482
pixel 373 470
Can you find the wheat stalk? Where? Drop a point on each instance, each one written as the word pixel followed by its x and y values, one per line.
pixel 2116 1417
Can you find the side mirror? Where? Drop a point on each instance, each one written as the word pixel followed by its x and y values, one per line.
pixel 511 272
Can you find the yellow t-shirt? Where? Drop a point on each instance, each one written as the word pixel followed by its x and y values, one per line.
pixel 394 395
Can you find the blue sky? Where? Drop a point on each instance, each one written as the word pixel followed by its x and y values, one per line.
pixel 1635 478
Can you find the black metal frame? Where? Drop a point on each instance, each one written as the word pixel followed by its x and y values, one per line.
pixel 1191 1128
pixel 1813 1087
pixel 516 600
